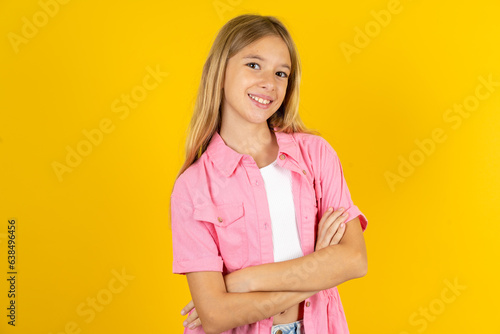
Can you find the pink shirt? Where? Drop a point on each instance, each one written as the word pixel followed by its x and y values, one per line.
pixel 221 221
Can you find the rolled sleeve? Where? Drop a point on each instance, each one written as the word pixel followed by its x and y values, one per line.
pixel 194 247
pixel 334 190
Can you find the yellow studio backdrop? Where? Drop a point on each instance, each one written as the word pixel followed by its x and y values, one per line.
pixel 95 102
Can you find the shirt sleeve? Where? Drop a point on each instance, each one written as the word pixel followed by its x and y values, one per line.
pixel 333 186
pixel 194 246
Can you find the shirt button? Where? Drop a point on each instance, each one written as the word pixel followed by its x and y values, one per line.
pixel 279 331
pixel 219 219
pixel 308 304
pixel 257 182
pixel 304 171
pixel 282 157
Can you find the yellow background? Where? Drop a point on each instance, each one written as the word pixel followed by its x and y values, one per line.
pixel 110 213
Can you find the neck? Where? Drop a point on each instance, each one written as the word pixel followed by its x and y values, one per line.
pixel 249 140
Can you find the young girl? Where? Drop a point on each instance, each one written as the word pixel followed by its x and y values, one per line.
pixel 245 205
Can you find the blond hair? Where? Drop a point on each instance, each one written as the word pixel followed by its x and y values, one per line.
pixel 232 37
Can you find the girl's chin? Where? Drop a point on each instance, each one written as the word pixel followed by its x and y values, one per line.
pixel 259 117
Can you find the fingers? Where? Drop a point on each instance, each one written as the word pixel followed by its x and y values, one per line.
pixel 192 316
pixel 336 231
pixel 338 234
pixel 187 308
pixel 192 320
pixel 326 221
pixel 323 225
pixel 328 228
pixel 195 324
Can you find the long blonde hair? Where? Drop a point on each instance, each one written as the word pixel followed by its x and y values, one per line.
pixel 232 37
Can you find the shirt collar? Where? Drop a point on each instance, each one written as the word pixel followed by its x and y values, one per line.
pixel 226 159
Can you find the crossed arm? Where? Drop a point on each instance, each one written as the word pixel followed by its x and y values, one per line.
pixel 259 292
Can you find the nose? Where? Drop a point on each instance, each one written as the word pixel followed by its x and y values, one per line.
pixel 268 80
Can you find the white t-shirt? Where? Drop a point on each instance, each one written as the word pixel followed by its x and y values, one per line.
pixel 278 184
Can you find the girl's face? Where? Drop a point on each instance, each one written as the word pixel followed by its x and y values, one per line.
pixel 255 81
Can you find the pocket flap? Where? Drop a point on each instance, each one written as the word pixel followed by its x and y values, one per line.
pixel 219 215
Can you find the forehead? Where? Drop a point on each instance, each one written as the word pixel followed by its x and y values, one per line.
pixel 271 47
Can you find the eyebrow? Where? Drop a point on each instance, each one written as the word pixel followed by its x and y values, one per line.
pixel 262 59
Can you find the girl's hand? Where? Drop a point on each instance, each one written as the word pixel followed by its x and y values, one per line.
pixel 235 282
pixel 331 228
pixel 192 320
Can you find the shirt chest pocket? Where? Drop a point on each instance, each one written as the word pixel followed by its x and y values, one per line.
pixel 230 226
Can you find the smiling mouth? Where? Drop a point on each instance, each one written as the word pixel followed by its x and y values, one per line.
pixel 260 100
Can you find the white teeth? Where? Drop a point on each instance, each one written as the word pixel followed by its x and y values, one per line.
pixel 259 99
